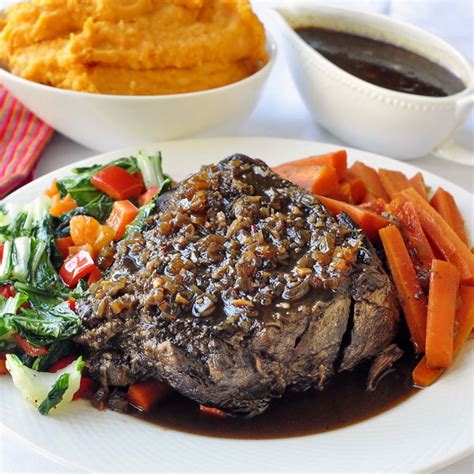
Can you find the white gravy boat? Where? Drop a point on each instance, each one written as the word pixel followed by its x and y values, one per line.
pixel 367 116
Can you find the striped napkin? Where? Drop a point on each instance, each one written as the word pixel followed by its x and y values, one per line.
pixel 22 139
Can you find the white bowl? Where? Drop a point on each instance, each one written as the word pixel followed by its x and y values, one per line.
pixel 107 122
pixel 364 115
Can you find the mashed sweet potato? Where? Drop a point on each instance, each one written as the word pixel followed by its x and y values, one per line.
pixel 132 47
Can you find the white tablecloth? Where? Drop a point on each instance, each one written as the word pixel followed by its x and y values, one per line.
pixel 281 113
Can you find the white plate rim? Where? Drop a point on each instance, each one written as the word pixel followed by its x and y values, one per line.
pixel 242 144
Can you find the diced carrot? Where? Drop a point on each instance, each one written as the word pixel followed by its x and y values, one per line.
pixel 371 180
pixel 423 376
pixel 437 230
pixel 3 367
pixel 368 221
pixel 444 287
pixel 358 189
pixel 60 206
pixel 147 196
pixel 95 276
pixel 205 410
pixel 78 248
pixel 63 244
pixel 145 395
pixel 123 213
pixel 52 190
pixel 445 204
pixel 418 246
pixel 411 296
pixel 336 160
pixel 325 182
pixel 393 181
pixel 418 182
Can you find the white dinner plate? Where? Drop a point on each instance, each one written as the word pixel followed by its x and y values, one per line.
pixel 428 431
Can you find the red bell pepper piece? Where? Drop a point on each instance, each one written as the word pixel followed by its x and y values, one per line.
pixel 63 245
pixel 95 275
pixel 28 348
pixel 62 363
pixel 1 252
pixel 7 291
pixel 123 213
pixel 75 267
pixel 147 196
pixel 86 387
pixel 117 183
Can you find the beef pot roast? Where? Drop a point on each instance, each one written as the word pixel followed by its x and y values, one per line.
pixel 241 286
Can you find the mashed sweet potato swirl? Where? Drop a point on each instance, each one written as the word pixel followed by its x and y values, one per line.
pixel 133 46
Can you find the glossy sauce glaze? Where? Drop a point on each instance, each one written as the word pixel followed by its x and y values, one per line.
pixel 345 401
pixel 382 64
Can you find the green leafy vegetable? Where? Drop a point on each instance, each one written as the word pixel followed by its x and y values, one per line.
pixel 151 169
pixel 55 395
pixel 42 389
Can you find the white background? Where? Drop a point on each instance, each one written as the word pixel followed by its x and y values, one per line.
pixel 281 113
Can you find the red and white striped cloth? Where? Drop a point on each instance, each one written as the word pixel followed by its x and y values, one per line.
pixel 23 137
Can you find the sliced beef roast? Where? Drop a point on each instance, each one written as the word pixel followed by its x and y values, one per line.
pixel 241 286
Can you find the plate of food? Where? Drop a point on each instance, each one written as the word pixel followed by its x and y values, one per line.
pixel 239 302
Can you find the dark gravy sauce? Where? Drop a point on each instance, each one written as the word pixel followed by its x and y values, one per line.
pixel 382 64
pixel 344 402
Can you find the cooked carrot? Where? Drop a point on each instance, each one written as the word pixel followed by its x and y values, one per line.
pixel 418 182
pixel 205 410
pixel 437 230
pixel 418 246
pixel 325 182
pixel 393 181
pixel 411 296
pixel 52 190
pixel 358 189
pixel 368 221
pixel 445 204
pixel 123 213
pixel 423 375
pixel 302 176
pixel 336 160
pixel 344 192
pixel 377 205
pixel 444 287
pixel 371 180
pixel 145 395
pixel 60 206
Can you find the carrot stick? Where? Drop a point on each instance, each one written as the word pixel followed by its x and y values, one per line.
pixel 423 375
pixel 393 181
pixel 454 250
pixel 368 221
pixel 418 246
pixel 445 204
pixel 418 183
pixel 371 180
pixel 302 176
pixel 325 182
pixel 412 298
pixel 336 160
pixel 145 395
pixel 358 189
pixel 444 287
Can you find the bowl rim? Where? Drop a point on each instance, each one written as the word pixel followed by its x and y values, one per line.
pixel 271 47
pixel 288 29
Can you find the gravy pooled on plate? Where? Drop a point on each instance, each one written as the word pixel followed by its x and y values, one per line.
pixel 382 64
pixel 142 47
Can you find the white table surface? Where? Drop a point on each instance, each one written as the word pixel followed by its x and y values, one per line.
pixel 281 113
